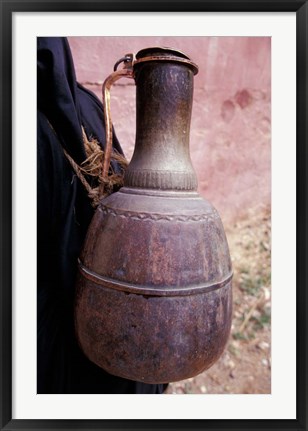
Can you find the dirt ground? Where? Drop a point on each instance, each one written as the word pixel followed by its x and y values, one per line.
pixel 245 366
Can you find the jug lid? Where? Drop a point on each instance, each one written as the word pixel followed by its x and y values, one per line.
pixel 160 53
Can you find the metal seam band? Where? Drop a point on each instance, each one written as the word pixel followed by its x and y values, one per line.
pixel 151 291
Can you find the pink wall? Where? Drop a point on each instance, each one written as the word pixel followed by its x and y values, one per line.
pixel 231 119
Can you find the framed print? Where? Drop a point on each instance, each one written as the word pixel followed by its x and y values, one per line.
pixel 248 126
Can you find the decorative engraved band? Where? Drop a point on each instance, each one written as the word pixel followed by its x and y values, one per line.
pixel 213 215
pixel 152 291
pixel 164 180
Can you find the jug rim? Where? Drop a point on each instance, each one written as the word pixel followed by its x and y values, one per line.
pixel 161 53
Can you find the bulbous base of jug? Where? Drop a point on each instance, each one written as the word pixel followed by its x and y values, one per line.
pixel 154 298
pixel 152 339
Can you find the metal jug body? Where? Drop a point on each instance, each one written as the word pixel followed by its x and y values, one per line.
pixel 154 295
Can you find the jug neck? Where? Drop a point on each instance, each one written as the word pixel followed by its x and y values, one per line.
pixel 164 92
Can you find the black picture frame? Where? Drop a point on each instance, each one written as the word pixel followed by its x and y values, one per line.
pixel 7 9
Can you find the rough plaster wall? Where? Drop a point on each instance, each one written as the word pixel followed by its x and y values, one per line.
pixel 230 137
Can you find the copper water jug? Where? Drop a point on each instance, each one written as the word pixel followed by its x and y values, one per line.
pixel 154 294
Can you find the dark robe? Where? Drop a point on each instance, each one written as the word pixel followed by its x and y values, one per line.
pixel 64 212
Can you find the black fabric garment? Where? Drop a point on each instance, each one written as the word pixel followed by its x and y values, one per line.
pixel 64 213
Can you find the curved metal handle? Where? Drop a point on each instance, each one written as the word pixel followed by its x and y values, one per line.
pixel 126 72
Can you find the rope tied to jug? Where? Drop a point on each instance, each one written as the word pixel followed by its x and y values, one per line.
pixel 92 167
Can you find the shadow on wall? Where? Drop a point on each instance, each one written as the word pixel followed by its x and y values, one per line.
pixel 230 136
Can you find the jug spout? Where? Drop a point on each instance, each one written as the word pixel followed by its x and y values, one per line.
pixel 164 94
